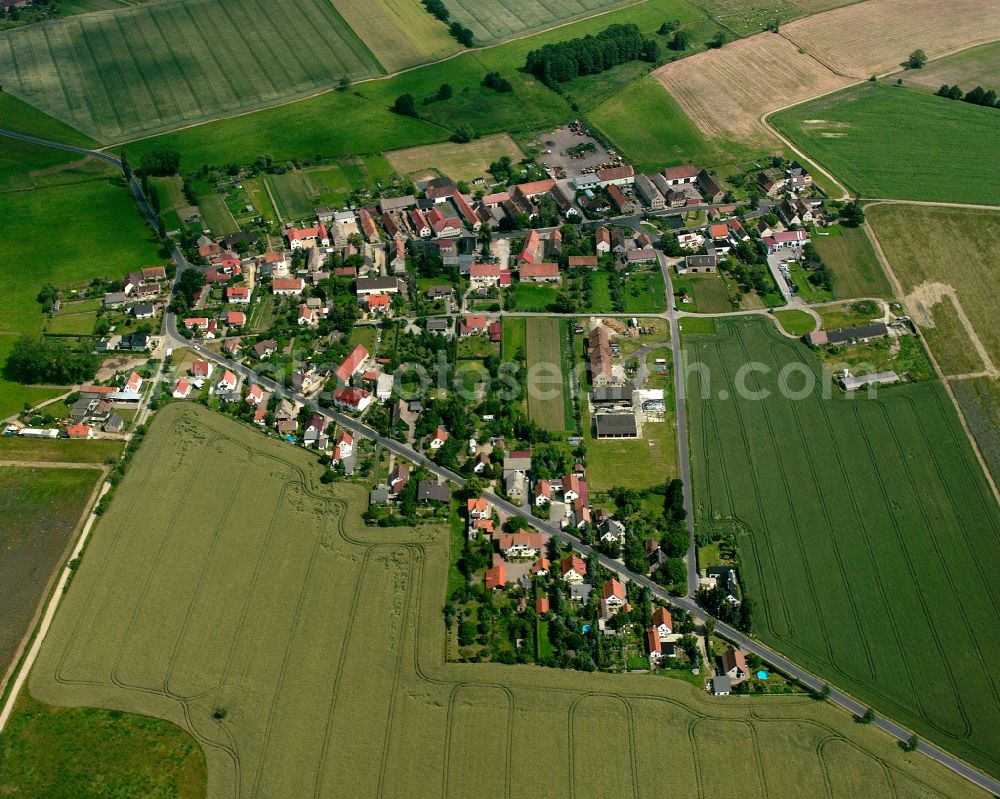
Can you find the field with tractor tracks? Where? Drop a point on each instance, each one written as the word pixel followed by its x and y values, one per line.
pixel 863 526
pixel 304 652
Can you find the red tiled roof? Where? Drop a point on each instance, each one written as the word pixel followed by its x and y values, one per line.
pixel 583 260
pixel 614 588
pixel 530 270
pixel 662 616
pixel 351 363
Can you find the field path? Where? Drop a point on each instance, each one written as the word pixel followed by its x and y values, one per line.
pixel 52 465
pixel 898 290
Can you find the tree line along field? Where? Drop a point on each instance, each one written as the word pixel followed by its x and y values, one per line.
pixel 317 645
pixel 140 70
pixel 866 524
pixel 887 142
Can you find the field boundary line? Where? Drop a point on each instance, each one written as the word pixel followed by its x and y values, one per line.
pixel 897 286
pixel 50 611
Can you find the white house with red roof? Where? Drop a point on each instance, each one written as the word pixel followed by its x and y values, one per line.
pixel 307 315
pixel 486 275
pixel 602 241
pixel 343 447
pixel 255 395
pixel 572 569
pixel 663 624
pixel 227 382
pixel 201 369
pixel 612 598
pixel 783 239
pixel 420 224
pixel 352 399
pixel 80 431
pixel 478 508
pixel 473 325
pixel 133 384
pixel 352 364
pixel 235 318
pixel 301 238
pixel 444 226
pixel 378 303
pixel 238 294
pixel 196 323
pixel 288 286
pixel 182 388
pixel 545 272
pixel 438 438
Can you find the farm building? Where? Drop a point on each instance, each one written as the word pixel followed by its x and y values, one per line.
pixel 616 425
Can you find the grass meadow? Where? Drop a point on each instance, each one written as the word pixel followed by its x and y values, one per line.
pixel 91 229
pixel 795 322
pixel 39 510
pixel 85 753
pixel 330 672
pixel 852 260
pixel 865 524
pixel 646 124
pixel 146 69
pixel 544 345
pixel 977 66
pixel 886 142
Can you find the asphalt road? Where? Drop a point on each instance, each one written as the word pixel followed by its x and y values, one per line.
pixel 747 644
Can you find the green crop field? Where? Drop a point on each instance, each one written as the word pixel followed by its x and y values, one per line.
pixel 495 22
pixel 39 510
pixel 849 254
pixel 865 523
pixel 317 645
pixel 62 450
pixel 888 142
pixel 329 123
pixel 401 33
pixel 292 195
pixel 142 70
pixel 644 121
pixel 544 344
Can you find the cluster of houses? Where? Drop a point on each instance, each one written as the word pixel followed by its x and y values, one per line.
pixel 141 297
pixel 97 408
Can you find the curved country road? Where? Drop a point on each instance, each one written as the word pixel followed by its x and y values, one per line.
pixel 746 643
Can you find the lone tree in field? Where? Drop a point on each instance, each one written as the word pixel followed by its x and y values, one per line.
pixel 852 214
pixel 916 60
pixel 405 105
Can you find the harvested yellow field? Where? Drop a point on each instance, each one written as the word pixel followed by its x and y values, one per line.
pixel 878 35
pixel 725 92
pixel 400 33
pixel 252 607
pixel 457 161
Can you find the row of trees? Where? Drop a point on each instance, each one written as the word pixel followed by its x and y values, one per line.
pixel 49 360
pixel 616 44
pixel 978 96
